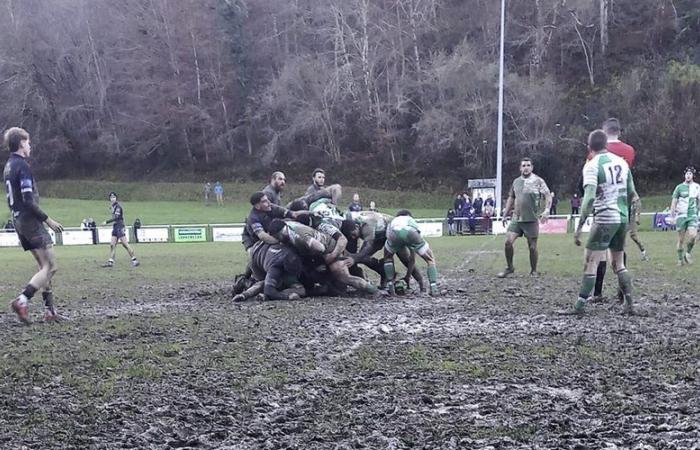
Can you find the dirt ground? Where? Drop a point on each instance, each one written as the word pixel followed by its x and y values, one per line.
pixel 487 365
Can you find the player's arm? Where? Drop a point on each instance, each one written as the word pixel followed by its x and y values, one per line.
pixel 274 274
pixel 674 200
pixel 544 190
pixel 341 244
pixel 509 203
pixel 26 183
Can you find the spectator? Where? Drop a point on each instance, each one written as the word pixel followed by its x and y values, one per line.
pixel 489 201
pixel 487 213
pixel 275 188
pixel 451 222
pixel 92 226
pixel 9 226
pixel 373 206
pixel 137 227
pixel 355 206
pixel 471 220
pixel 219 191
pixel 478 205
pixel 575 204
pixel 458 207
pixel 207 193
pixel 553 208
pixel 84 225
pixel 318 178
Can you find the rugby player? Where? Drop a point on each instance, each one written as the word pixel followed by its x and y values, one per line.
pixel 29 220
pixel 684 209
pixel 318 181
pixel 403 232
pixel 276 269
pixel 608 190
pixel 118 232
pixel 275 188
pixel 525 205
pixel 259 218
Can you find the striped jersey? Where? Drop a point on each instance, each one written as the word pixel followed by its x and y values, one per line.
pixel 612 178
pixel 686 195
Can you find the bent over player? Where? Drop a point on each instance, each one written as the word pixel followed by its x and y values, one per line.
pixel 118 232
pixel 29 220
pixel 403 232
pixel 609 189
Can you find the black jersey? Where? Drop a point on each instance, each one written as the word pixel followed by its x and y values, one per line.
pixel 21 189
pixel 117 215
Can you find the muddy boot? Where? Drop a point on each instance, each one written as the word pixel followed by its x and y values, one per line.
pixel 505 273
pixel 627 308
pixel 579 306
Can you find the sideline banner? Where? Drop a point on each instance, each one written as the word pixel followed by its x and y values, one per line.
pixel 77 237
pixel 190 234
pixel 554 226
pixel 663 221
pixel 155 234
pixel 227 234
pixel 430 229
pixel 8 239
pixel 104 234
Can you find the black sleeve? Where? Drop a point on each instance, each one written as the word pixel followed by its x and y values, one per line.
pixel 27 187
pixel 272 279
pixel 365 253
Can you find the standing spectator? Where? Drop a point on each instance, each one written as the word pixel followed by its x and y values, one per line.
pixel 9 226
pixel 355 206
pixel 575 204
pixel 489 201
pixel 137 227
pixel 84 225
pixel 275 188
pixel 92 226
pixel 471 220
pixel 373 206
pixel 487 213
pixel 553 208
pixel 451 222
pixel 458 207
pixel 219 191
pixel 318 178
pixel 478 205
pixel 207 193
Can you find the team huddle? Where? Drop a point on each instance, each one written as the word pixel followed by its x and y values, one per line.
pixel 311 247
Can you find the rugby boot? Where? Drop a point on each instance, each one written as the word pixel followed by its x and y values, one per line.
pixel 135 263
pixel 627 307
pixel 390 288
pixel 687 258
pixel 51 316
pixel 505 273
pixel 108 264
pixel 22 311
pixel 645 257
pixel 434 292
pixel 579 306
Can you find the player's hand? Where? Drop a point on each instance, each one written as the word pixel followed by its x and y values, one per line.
pixel 543 218
pixel 577 238
pixel 294 296
pixel 55 226
pixel 104 222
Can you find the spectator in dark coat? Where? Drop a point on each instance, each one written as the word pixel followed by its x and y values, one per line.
pixel 575 204
pixel 451 222
pixel 553 208
pixel 478 205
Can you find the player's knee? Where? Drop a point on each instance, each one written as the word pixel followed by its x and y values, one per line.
pixel 532 246
pixel 509 244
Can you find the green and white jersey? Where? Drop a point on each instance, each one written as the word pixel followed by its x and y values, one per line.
pixel 687 196
pixel 402 225
pixel 372 224
pixel 612 178
pixel 527 193
pixel 331 219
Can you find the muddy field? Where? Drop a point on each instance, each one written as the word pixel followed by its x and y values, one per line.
pixel 484 366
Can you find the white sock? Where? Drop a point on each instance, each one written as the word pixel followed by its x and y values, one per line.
pixel 23 300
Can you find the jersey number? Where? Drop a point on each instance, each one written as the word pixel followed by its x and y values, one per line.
pixel 8 190
pixel 615 174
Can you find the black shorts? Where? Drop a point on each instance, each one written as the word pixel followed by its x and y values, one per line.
pixel 119 231
pixel 32 233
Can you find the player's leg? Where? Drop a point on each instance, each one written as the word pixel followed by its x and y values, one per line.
pixel 341 272
pixel 417 244
pixel 389 269
pixel 681 241
pixel 124 240
pixel 112 250
pixel 513 233
pixel 690 236
pixel 617 257
pixel 47 259
pixel 600 277
pixel 408 258
pixel 596 250
pixel 251 292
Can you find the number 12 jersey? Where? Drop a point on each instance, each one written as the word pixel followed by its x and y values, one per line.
pixel 612 178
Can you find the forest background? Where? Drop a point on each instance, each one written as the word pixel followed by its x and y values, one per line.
pixel 383 93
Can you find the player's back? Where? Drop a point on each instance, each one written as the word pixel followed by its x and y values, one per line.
pixel 623 150
pixel 18 179
pixel 611 175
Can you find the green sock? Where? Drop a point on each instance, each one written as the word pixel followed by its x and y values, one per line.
pixel 432 274
pixel 691 244
pixel 625 280
pixel 389 271
pixel 680 254
pixel 587 285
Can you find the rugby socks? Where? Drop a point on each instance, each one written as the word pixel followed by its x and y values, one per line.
pixel 390 273
pixel 27 294
pixel 623 277
pixel 48 299
pixel 432 278
pixel 680 254
pixel 691 244
pixel 587 285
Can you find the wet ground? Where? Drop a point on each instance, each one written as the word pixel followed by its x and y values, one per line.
pixel 486 365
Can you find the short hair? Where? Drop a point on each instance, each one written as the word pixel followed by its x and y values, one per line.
pixel 276 226
pixel 597 140
pixel 298 205
pixel 526 159
pixel 112 194
pixel 404 212
pixel 14 137
pixel 317 170
pixel 612 126
pixel 347 227
pixel 276 174
pixel 255 198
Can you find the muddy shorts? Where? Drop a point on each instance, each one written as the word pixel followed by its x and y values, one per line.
pixel 607 236
pixel 410 239
pixel 684 223
pixel 528 229
pixel 32 233
pixel 118 231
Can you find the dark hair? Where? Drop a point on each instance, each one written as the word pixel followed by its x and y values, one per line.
pixel 597 140
pixel 276 226
pixel 317 170
pixel 404 212
pixel 112 194
pixel 14 137
pixel 526 159
pixel 255 198
pixel 612 126
pixel 347 227
pixel 298 205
